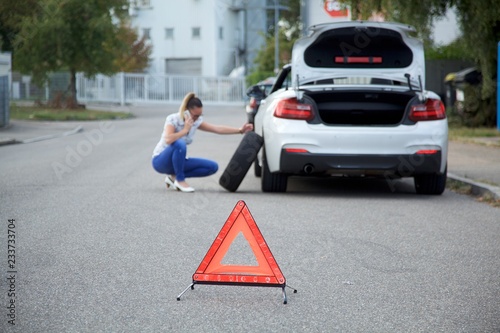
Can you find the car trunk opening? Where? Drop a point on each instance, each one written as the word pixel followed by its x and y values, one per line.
pixel 361 108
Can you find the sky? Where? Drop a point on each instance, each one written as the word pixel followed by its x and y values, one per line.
pixel 446 29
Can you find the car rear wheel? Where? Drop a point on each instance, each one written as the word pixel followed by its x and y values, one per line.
pixel 257 169
pixel 272 182
pixel 431 184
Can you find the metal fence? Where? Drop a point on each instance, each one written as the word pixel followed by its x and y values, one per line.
pixel 142 88
pixel 4 101
pixel 127 88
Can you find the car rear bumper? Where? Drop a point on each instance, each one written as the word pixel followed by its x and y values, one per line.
pixel 406 165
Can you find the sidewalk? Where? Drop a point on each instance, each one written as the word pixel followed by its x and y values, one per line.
pixel 474 163
pixel 20 131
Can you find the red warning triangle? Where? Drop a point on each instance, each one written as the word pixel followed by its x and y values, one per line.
pixel 212 271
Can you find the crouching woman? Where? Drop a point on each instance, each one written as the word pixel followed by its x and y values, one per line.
pixel 169 155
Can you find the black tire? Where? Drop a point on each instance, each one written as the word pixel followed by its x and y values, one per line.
pixel 257 169
pixel 272 182
pixel 241 161
pixel 431 184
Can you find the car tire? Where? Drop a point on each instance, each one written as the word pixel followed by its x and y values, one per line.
pixel 257 168
pixel 241 161
pixel 431 184
pixel 272 182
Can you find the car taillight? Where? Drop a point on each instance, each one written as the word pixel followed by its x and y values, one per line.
pixel 253 102
pixel 296 150
pixel 433 109
pixel 427 152
pixel 292 109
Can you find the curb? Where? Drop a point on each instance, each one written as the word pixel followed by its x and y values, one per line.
pixel 10 141
pixel 477 188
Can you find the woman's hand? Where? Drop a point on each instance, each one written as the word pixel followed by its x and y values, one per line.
pixel 188 123
pixel 246 128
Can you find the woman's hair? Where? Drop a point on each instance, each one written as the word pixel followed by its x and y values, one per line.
pixel 190 101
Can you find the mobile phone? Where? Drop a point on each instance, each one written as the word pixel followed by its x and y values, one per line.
pixel 187 115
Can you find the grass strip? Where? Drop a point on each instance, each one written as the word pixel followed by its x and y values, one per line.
pixel 49 114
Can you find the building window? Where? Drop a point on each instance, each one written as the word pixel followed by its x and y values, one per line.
pixel 146 33
pixel 221 33
pixel 196 33
pixel 169 33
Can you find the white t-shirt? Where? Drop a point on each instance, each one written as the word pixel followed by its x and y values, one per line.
pixel 175 120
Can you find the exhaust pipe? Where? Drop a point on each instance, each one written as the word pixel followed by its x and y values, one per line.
pixel 308 169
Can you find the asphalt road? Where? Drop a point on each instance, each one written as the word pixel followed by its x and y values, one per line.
pixel 102 246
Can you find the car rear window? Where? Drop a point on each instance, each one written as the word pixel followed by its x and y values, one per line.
pixel 359 48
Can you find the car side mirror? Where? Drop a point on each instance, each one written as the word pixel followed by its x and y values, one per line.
pixel 255 91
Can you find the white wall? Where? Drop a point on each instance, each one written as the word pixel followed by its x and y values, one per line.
pixel 217 56
pixel 6 70
pixel 5 63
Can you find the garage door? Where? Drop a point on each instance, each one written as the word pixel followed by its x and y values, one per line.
pixel 187 66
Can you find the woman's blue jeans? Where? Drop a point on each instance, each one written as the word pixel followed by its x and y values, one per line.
pixel 173 161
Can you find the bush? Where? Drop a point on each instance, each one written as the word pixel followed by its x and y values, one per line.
pixel 475 111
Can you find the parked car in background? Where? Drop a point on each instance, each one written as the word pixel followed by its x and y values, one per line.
pixel 356 106
pixel 256 93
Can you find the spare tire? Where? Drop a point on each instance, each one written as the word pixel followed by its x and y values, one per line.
pixel 241 161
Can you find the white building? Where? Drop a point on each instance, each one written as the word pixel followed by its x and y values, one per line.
pixel 200 37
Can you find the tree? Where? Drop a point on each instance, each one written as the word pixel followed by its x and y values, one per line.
pixel 134 55
pixel 265 58
pixel 72 35
pixel 10 15
pixel 455 50
pixel 289 30
pixel 291 20
pixel 419 14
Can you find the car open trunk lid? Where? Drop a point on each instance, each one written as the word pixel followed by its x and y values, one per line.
pixel 356 48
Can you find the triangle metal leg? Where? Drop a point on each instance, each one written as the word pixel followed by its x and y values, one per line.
pixel 283 289
pixel 294 290
pixel 190 286
pixel 285 299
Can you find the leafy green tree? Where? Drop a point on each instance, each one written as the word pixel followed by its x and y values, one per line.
pixel 291 19
pixel 265 58
pixel 135 51
pixel 419 14
pixel 289 30
pixel 11 13
pixel 455 50
pixel 72 35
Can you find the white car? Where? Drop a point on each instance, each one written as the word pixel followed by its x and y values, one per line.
pixel 353 103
